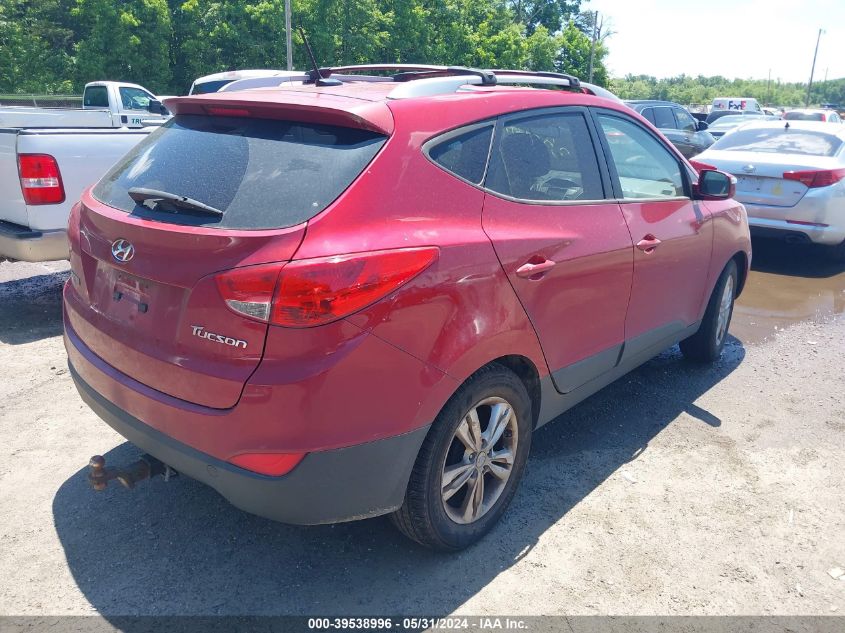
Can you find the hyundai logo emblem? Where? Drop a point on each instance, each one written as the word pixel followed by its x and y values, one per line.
pixel 749 168
pixel 122 250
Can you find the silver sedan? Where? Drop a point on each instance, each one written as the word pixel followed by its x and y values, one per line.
pixel 790 177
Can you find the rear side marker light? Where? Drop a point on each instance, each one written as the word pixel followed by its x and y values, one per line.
pixel 273 464
pixel 316 291
pixel 816 177
pixel 41 181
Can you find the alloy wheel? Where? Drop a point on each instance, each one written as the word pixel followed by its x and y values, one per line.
pixel 479 461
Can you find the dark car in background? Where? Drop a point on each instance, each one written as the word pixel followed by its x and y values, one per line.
pixel 677 124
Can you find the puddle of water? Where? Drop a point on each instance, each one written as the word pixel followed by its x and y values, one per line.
pixel 788 284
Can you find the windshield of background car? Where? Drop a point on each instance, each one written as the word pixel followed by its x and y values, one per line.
pixel 780 140
pixel 260 173
pixel 208 87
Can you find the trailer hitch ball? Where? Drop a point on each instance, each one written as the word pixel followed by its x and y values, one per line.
pixel 99 475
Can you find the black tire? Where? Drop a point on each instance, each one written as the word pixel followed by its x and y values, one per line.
pixel 423 517
pixel 706 345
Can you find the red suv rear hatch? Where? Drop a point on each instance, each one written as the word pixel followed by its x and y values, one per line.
pixel 145 298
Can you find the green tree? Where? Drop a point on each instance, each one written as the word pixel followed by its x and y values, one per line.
pixel 127 40
pixel 574 55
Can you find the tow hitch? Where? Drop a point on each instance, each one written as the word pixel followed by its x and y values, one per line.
pixel 147 467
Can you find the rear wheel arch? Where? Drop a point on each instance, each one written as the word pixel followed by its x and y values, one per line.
pixel 527 373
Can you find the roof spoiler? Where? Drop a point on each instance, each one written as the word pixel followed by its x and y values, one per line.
pixel 303 107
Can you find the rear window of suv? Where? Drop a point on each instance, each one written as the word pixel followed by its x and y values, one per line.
pixel 262 174
pixel 780 140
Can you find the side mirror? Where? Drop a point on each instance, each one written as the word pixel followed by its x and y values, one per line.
pixel 715 185
pixel 156 107
pixel 703 125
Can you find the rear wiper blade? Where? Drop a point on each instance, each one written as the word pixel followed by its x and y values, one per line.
pixel 141 195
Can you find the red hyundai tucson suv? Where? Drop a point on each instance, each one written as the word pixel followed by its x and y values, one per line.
pixel 339 299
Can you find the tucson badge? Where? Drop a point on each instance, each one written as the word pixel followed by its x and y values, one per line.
pixel 199 330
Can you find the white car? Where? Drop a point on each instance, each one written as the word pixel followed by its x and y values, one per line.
pixel 217 81
pixel 790 177
pixel 812 114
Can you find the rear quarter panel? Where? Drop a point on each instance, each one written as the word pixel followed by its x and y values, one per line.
pixel 459 314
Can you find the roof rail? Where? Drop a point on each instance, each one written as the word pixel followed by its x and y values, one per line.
pixel 425 80
pixel 426 85
pixel 409 72
pixel 573 81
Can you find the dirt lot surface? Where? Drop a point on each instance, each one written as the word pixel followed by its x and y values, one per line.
pixel 677 490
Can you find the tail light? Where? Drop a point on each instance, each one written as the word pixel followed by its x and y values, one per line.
pixel 273 464
pixel 41 181
pixel 816 178
pixel 312 292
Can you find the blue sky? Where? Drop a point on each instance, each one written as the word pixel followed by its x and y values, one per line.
pixel 733 38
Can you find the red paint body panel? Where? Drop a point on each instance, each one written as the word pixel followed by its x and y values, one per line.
pixel 669 282
pixel 138 315
pixel 389 368
pixel 578 307
pixel 301 401
pixel 298 105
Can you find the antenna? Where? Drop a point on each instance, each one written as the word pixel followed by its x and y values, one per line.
pixel 316 75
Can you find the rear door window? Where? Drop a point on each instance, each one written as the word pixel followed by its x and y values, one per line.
pixel 545 157
pixel 261 174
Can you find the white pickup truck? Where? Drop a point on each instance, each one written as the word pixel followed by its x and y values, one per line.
pixel 105 104
pixel 49 155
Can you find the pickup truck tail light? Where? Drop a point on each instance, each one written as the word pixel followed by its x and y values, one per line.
pixel 41 181
pixel 816 177
pixel 311 292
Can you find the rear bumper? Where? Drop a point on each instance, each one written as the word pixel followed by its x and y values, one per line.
pixel 826 218
pixel 21 242
pixel 326 487
pixel 767 227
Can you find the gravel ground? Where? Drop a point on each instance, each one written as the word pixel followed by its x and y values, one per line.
pixel 677 490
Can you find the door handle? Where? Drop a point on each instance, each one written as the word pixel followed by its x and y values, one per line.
pixel 648 244
pixel 535 269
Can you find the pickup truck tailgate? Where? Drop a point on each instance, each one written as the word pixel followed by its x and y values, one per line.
pixel 83 157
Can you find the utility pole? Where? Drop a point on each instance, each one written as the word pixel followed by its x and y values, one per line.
pixel 593 45
pixel 769 89
pixel 288 38
pixel 813 68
